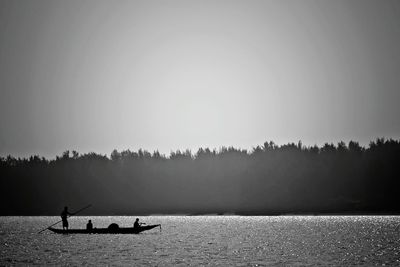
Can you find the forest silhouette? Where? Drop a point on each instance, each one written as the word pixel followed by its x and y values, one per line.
pixel 268 180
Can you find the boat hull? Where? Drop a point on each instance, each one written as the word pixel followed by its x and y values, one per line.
pixel 123 230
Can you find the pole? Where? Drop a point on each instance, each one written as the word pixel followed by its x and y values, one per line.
pixel 68 217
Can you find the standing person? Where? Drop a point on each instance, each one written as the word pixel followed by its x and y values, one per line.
pixel 64 216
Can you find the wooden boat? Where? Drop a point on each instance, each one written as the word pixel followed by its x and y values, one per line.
pixel 109 230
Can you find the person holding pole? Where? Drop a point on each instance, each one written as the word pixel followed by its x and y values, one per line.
pixel 64 216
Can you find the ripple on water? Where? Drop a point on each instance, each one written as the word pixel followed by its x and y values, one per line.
pixel 203 240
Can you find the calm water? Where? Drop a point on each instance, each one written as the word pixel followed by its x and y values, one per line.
pixel 208 240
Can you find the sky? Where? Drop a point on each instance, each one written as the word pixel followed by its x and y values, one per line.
pixel 99 75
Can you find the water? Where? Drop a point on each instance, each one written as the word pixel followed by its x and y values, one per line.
pixel 208 240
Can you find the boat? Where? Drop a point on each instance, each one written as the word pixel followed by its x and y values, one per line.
pixel 112 229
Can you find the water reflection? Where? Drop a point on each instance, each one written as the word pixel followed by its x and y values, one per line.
pixel 203 240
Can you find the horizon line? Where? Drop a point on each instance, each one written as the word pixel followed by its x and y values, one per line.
pixel 187 151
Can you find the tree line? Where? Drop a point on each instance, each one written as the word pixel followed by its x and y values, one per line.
pixel 270 179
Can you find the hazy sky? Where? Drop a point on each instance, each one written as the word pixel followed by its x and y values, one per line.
pixel 97 75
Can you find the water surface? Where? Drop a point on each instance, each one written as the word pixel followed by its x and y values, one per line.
pixel 208 240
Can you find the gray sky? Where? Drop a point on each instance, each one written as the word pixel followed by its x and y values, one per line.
pixel 97 75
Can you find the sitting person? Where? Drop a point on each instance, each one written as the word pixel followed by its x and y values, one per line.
pixel 137 224
pixel 89 225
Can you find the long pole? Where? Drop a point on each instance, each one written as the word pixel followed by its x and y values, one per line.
pixel 68 217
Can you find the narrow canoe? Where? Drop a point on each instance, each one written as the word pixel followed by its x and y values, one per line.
pixel 122 230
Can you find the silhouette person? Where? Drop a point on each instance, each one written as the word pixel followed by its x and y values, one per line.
pixel 137 224
pixel 89 225
pixel 64 216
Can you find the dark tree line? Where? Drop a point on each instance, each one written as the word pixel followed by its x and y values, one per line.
pixel 271 179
